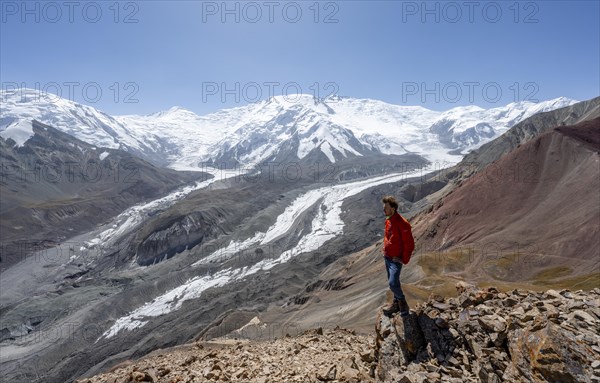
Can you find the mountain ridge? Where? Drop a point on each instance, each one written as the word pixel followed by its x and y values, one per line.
pixel 179 138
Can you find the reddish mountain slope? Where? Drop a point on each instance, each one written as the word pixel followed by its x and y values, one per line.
pixel 533 215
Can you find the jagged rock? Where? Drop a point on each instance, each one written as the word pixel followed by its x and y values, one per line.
pixel 405 379
pixel 327 373
pixel 138 376
pixel 434 337
pixel 498 338
pixel 582 315
pixel 387 347
pixel 539 338
pixel 162 371
pixel 441 323
pixel 349 370
pixel 549 353
pixel 441 306
pixel 567 294
pixel 189 360
pixel 410 336
pixel 464 287
pixel 493 323
pixel 549 336
pixel 367 356
pixel 552 294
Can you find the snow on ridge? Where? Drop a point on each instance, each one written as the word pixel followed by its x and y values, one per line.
pixel 19 131
pixel 260 129
pixel 81 121
pixel 326 137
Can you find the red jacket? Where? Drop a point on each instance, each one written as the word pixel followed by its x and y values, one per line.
pixel 398 240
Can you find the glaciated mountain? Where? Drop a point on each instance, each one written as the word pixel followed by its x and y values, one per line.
pixel 83 122
pixel 191 136
pixel 340 127
pixel 465 128
pixel 283 128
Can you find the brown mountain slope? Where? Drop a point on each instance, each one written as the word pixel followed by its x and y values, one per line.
pixel 533 215
pixel 530 129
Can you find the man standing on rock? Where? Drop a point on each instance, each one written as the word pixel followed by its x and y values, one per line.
pixel 398 245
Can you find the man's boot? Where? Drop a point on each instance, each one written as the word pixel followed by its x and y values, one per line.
pixel 403 307
pixel 392 309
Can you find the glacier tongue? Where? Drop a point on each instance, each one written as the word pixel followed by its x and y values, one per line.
pixel 325 226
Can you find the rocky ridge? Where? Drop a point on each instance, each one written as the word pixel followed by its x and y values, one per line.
pixel 489 336
pixel 482 335
pixel 333 355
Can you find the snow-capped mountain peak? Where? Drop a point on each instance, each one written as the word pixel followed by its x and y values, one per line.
pixel 283 127
pixel 174 113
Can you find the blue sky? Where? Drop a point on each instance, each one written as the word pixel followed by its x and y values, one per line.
pixel 143 57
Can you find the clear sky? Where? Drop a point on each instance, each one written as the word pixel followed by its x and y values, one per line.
pixel 142 57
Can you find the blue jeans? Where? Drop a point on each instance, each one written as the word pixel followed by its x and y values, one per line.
pixel 393 274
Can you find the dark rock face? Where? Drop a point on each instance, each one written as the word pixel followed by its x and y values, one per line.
pixel 548 354
pixel 414 193
pixel 56 186
pixel 491 336
pixel 185 233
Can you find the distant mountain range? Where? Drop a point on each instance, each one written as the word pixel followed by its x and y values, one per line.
pixel 278 129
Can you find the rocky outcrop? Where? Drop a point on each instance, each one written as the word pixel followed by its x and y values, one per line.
pixel 317 355
pixel 176 235
pixel 482 335
pixel 491 336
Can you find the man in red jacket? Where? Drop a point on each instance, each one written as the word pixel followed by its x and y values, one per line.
pixel 393 247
